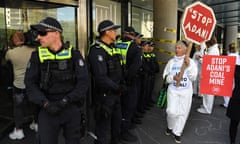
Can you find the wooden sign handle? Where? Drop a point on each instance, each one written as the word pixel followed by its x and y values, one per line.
pixel 184 66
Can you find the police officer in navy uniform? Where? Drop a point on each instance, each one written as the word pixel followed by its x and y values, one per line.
pixel 131 53
pixel 107 75
pixel 57 80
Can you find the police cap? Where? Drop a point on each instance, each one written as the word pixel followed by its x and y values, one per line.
pixel 107 25
pixel 47 23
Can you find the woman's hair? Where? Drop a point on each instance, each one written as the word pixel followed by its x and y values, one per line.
pixel 18 38
pixel 183 43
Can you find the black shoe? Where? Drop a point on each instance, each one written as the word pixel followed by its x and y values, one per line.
pixel 147 108
pixel 136 121
pixel 142 111
pixel 168 132
pixel 133 126
pixel 150 105
pixel 127 136
pixel 152 102
pixel 177 139
pixel 138 115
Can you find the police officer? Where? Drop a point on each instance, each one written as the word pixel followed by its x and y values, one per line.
pixel 132 62
pixel 106 72
pixel 153 69
pixel 57 80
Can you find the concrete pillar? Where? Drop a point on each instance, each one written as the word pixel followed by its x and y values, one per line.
pixel 82 26
pixel 231 29
pixel 231 33
pixel 164 34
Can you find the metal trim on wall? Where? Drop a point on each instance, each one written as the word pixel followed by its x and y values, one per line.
pixel 82 26
pixel 68 2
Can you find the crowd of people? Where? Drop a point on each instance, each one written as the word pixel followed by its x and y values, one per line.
pixel 115 79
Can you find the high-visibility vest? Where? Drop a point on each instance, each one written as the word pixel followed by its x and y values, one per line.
pixel 45 54
pixel 122 48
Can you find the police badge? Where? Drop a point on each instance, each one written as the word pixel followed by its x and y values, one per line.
pixel 100 58
pixel 81 63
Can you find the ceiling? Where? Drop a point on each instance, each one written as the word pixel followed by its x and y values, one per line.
pixel 227 12
pixel 37 4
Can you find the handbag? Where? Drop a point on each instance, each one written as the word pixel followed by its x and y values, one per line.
pixel 162 99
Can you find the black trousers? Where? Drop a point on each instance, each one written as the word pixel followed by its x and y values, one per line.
pixel 108 119
pixel 69 120
pixel 233 130
pixel 129 105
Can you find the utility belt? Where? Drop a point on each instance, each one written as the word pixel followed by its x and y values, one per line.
pixel 79 103
pixel 18 90
pixel 106 93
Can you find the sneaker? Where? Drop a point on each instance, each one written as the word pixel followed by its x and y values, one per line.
pixel 177 139
pixel 129 137
pixel 34 126
pixel 168 132
pixel 203 111
pixel 17 134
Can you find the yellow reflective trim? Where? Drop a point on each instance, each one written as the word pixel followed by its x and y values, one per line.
pixel 107 49
pixel 165 41
pixel 45 54
pixel 172 30
pixel 123 50
pixel 161 50
pixel 162 63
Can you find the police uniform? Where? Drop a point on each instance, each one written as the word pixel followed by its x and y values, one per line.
pixel 154 68
pixel 106 73
pixel 129 101
pixel 146 60
pixel 58 82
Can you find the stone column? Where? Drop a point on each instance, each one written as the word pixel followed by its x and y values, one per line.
pixel 164 34
pixel 231 33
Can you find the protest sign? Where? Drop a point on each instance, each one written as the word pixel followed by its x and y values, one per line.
pixel 217 75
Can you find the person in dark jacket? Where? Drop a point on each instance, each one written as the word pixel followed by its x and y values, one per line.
pixel 106 71
pixel 233 109
pixel 131 53
pixel 56 80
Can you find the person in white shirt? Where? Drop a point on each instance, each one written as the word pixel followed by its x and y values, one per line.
pixel 179 98
pixel 208 99
pixel 231 52
pixel 197 57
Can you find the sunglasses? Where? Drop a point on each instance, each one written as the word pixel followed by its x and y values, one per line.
pixel 44 33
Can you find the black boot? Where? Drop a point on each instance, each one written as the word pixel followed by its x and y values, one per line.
pixel 127 136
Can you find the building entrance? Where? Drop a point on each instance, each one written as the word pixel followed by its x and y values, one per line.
pixel 18 15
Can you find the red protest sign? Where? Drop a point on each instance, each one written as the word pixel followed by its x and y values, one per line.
pixel 217 75
pixel 198 22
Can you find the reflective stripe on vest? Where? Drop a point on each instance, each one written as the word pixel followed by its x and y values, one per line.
pixel 45 54
pixel 122 48
pixel 147 55
pixel 110 51
pixel 152 54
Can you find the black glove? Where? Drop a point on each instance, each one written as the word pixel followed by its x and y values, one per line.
pixel 122 89
pixel 52 108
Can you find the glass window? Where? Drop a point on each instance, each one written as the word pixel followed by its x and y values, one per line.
pixel 142 21
pixel 105 9
pixel 21 19
pixel 3 39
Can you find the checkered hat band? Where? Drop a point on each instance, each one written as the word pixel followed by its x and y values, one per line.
pixel 51 27
pixel 107 28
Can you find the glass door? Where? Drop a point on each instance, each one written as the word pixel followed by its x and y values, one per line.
pixel 19 15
